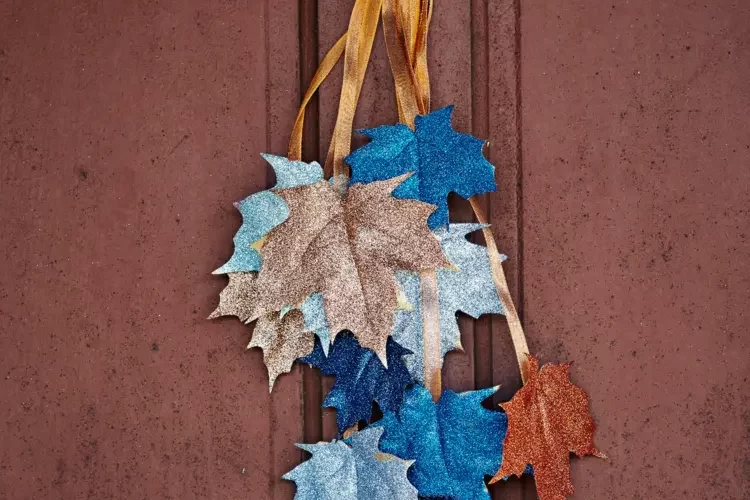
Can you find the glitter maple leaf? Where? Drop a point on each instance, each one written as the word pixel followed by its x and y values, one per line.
pixel 467 287
pixel 283 337
pixel 360 379
pixel 347 247
pixel 455 442
pixel 547 420
pixel 353 471
pixel 443 161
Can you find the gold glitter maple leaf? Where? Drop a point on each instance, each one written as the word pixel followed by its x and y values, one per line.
pixel 284 338
pixel 547 420
pixel 347 247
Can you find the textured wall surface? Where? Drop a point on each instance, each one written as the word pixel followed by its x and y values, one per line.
pixel 127 129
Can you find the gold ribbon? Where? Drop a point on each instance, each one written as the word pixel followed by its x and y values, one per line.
pixel 363 25
pixel 501 284
pixel 399 54
pixel 428 290
pixel 328 63
pixel 405 26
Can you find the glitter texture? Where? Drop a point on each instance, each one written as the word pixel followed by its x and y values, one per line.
pixel 346 248
pixel 547 420
pixel 467 287
pixel 235 299
pixel 455 443
pixel 357 472
pixel 315 320
pixel 283 340
pixel 263 211
pixel 442 159
pixel 361 379
pixel 283 336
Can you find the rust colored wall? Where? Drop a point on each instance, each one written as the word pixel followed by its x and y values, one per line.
pixel 128 128
pixel 636 250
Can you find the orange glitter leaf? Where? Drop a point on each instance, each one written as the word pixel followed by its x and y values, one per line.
pixel 547 420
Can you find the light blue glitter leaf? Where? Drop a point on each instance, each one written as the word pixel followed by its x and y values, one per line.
pixel 361 378
pixel 443 160
pixel 468 288
pixel 455 443
pixel 263 211
pixel 315 320
pixel 357 472
pixel 291 174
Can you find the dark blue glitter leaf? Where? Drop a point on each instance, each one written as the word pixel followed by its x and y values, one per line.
pixel 360 378
pixel 456 442
pixel 443 160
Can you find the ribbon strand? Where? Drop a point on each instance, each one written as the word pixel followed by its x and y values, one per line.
pixel 328 63
pixel 361 34
pixel 501 284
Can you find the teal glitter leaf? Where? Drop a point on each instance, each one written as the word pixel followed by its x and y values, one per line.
pixel 263 211
pixel 468 288
pixel 357 472
pixel 455 442
pixel 443 160
pixel 360 378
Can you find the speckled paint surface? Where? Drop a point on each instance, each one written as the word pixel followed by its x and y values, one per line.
pixel 128 129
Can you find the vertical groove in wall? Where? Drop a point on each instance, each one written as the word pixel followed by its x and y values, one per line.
pixel 308 49
pixel 528 484
pixel 519 152
pixel 267 96
pixel 480 118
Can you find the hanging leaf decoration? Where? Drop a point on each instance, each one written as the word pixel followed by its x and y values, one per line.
pixel 454 442
pixel 466 287
pixel 314 258
pixel 442 159
pixel 347 247
pixel 547 420
pixel 361 379
pixel 263 211
pixel 357 472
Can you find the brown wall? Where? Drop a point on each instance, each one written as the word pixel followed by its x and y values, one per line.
pixel 127 129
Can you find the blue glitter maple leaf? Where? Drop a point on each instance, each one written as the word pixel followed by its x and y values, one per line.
pixel 455 442
pixel 442 159
pixel 361 378
pixel 467 287
pixel 356 470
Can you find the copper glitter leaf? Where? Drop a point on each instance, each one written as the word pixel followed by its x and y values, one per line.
pixel 347 247
pixel 547 420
